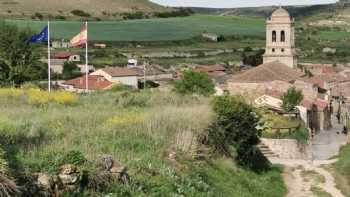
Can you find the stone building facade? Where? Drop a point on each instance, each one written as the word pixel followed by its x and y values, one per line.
pixel 280 39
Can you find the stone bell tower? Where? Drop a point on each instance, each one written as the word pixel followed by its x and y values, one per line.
pixel 280 39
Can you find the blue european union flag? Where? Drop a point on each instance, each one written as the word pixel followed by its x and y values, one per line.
pixel 42 37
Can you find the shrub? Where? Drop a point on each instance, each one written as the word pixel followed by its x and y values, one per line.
pixel 120 88
pixel 60 17
pixel 73 157
pixel 70 70
pixel 291 99
pixel 254 59
pixel 38 16
pixel 195 83
pixel 133 15
pixel 236 126
pixel 127 99
pixel 80 13
pixel 30 85
pixel 181 12
pixel 4 168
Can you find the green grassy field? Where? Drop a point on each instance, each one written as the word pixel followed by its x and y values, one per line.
pixel 137 128
pixel 154 29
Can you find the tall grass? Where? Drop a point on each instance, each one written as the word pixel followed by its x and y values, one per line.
pixel 341 170
pixel 136 128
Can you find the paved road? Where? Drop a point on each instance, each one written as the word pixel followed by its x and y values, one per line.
pixel 326 144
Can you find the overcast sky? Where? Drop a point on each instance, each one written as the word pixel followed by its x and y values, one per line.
pixel 238 3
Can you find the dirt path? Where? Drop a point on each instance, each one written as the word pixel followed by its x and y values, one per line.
pixel 306 179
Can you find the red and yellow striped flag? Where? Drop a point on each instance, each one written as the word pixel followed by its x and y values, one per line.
pixel 79 39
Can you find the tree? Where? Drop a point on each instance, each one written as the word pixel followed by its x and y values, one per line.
pixel 255 59
pixel 236 125
pixel 195 83
pixel 70 70
pixel 19 61
pixel 291 99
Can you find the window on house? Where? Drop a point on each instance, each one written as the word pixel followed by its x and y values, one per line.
pixel 283 36
pixel 282 50
pixel 274 36
pixel 273 50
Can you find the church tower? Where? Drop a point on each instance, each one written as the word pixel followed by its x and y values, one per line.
pixel 280 40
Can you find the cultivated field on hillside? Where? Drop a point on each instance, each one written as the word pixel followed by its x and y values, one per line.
pixel 155 29
pixel 25 8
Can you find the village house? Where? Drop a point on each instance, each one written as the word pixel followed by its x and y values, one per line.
pixel 319 114
pixel 211 37
pixel 265 84
pixel 60 44
pixel 95 82
pixel 100 46
pixel 309 89
pixel 57 65
pixel 125 76
pixel 152 73
pixel 318 69
pixel 254 82
pixel 66 56
pixel 315 113
pixel 82 68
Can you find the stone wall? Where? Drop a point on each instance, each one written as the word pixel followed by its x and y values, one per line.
pixel 288 148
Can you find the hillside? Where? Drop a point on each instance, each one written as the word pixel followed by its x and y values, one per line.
pixel 296 11
pixel 149 132
pixel 28 8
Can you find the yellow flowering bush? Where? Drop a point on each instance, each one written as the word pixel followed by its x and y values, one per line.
pixel 11 92
pixel 65 98
pixel 126 118
pixel 38 97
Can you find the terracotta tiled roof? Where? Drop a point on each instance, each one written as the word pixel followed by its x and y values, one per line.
pixel 120 71
pixel 321 68
pixel 207 69
pixel 342 89
pixel 268 72
pixel 95 82
pixel 333 78
pixel 317 81
pixel 62 55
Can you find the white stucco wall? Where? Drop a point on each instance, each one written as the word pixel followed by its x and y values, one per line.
pixel 129 80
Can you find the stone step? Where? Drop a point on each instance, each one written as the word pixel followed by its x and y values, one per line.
pixel 266 151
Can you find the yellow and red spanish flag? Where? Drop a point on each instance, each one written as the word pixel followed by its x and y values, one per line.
pixel 79 39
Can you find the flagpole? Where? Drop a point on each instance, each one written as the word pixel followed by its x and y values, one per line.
pixel 86 59
pixel 49 56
